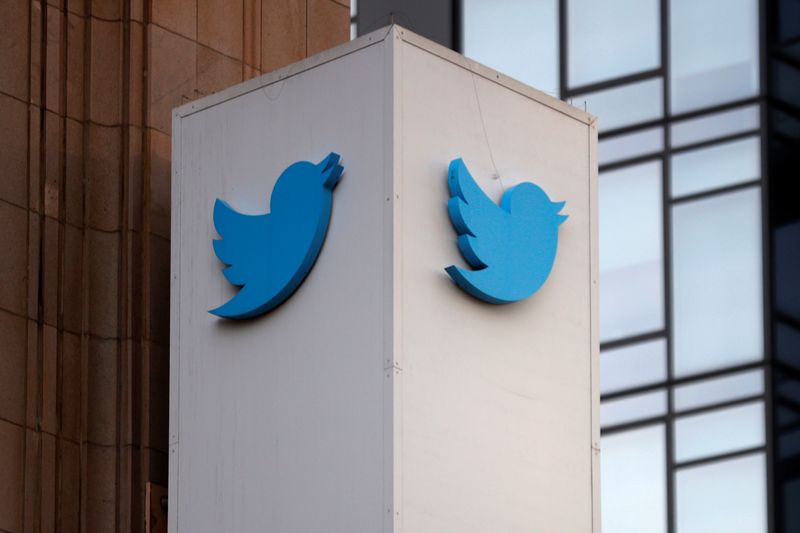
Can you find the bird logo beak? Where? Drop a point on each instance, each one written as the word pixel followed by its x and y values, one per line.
pixel 330 170
pixel 557 207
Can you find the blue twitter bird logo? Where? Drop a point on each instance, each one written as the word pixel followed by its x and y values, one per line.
pixel 512 246
pixel 270 255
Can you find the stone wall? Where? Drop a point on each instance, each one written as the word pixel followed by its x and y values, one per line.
pixel 86 93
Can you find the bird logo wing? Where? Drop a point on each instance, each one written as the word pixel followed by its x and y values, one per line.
pixel 479 221
pixel 235 249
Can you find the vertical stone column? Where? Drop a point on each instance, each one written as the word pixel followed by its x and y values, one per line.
pixel 86 92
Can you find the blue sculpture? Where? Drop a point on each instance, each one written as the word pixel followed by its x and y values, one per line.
pixel 512 246
pixel 270 255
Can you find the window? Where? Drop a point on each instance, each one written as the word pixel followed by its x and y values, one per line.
pixel 612 38
pixel 516 37
pixel 625 105
pixel 633 481
pixel 721 431
pixel 631 251
pixel 716 166
pixel 713 52
pixel 630 145
pixel 631 366
pixel 717 294
pixel 722 496
pixel 701 129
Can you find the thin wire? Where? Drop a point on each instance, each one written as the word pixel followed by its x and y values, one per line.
pixel 485 134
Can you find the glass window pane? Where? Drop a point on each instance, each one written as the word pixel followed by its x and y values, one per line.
pixel 721 431
pixel 353 8
pixel 722 496
pixel 353 30
pixel 717 125
pixel 711 391
pixel 631 255
pixel 717 293
pixel 626 105
pixel 644 363
pixel 713 52
pixel 633 482
pixel 716 166
pixel 612 38
pixel 633 408
pixel 621 147
pixel 517 37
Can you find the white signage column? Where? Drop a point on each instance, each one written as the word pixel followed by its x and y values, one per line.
pixel 380 396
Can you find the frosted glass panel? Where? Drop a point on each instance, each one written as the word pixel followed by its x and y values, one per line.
pixel 622 106
pixel 632 408
pixel 718 390
pixel 713 52
pixel 631 145
pixel 516 37
pixel 612 38
pixel 633 485
pixel 717 298
pixel 717 125
pixel 631 254
pixel 727 496
pixel 633 366
pixel 717 432
pixel 716 166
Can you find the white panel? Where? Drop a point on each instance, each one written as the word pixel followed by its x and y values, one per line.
pixel 380 397
pixel 485 443
pixel 285 413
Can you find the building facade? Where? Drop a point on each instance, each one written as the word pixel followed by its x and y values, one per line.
pixel 699 124
pixel 86 94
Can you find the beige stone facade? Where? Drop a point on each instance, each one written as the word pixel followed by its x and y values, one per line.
pixel 86 93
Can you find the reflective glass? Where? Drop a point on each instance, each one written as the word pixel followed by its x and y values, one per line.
pixel 622 106
pixel 633 481
pixel 516 37
pixel 716 166
pixel 717 294
pixel 633 408
pixel 353 30
pixel 727 496
pixel 717 125
pixel 631 251
pixel 621 147
pixel 722 431
pixel 353 8
pixel 713 52
pixel 717 390
pixel 612 38
pixel 640 364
